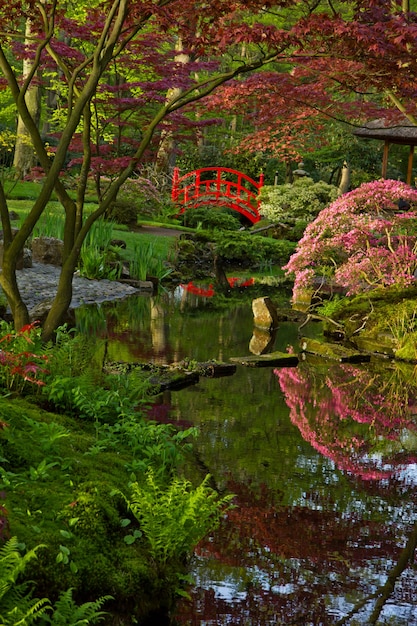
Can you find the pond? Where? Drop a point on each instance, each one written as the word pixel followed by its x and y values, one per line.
pixel 322 459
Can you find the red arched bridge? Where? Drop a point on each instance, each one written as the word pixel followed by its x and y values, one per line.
pixel 218 186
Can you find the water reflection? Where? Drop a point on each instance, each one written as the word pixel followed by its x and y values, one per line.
pixel 362 419
pixel 324 530
pixel 322 459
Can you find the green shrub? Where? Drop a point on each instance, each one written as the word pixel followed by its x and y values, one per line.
pixel 252 250
pixel 68 613
pixel 211 219
pixel 123 212
pixel 295 205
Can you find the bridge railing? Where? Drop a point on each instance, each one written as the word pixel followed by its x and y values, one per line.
pixel 220 186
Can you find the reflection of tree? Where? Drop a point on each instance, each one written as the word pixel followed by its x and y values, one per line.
pixel 286 565
pixel 384 592
pixel 354 416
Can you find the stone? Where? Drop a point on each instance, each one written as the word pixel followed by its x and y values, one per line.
pixel 264 313
pixel 47 250
pixel 27 258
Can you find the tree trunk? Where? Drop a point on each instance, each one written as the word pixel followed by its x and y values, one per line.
pixel 24 155
pixel 165 158
pixel 61 302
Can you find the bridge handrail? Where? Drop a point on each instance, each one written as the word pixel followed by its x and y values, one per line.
pixel 248 205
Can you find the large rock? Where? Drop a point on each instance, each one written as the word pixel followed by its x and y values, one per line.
pixel 264 313
pixel 47 250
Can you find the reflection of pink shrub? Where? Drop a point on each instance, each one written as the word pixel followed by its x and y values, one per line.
pixel 361 240
pixel 344 416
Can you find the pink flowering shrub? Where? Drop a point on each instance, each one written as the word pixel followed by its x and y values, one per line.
pixel 360 241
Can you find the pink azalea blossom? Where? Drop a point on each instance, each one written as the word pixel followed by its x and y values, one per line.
pixel 360 240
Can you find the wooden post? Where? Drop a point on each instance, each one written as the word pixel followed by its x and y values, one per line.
pixel 385 160
pixel 410 165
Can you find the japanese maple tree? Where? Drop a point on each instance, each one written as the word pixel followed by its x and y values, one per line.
pixel 351 62
pixel 84 45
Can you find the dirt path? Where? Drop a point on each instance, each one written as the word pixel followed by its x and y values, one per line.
pixel 159 231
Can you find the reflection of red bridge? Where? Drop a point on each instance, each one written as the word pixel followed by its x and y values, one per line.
pixel 218 186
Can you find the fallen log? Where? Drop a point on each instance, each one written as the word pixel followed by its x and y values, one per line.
pixel 333 351
pixel 175 376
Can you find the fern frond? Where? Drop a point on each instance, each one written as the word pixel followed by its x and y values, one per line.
pixel 17 608
pixel 68 613
pixel 174 518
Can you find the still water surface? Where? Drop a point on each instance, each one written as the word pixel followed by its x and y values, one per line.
pixel 322 459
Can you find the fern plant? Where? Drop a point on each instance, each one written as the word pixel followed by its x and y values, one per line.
pixel 17 607
pixel 68 613
pixel 174 518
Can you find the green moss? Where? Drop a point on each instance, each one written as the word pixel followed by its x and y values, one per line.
pixel 59 492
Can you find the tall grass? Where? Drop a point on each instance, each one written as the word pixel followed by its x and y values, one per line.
pixel 50 225
pixel 146 262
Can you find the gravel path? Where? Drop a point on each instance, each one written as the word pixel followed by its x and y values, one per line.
pixel 38 284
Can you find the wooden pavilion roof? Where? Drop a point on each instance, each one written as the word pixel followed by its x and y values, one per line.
pixel 393 132
pixel 402 132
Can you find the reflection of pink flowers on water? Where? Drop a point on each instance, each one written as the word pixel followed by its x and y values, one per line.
pixel 343 415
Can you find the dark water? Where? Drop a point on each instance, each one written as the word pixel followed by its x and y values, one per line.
pixel 322 459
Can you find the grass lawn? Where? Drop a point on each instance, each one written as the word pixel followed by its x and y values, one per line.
pixel 22 195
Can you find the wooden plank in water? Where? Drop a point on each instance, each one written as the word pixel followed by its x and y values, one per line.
pixel 273 359
pixel 333 351
pixel 215 370
pixel 173 381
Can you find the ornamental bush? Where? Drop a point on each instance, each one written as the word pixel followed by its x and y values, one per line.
pixel 366 238
pixel 297 204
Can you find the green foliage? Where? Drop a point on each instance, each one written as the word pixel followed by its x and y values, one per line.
pixel 95 264
pixel 68 613
pixel 252 250
pixel 175 517
pixel 152 445
pixel 50 225
pixel 123 212
pixel 146 262
pixel 211 219
pixel 17 608
pixel 297 204
pixel 330 307
pixel 194 255
pixel 98 259
pixel 58 479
